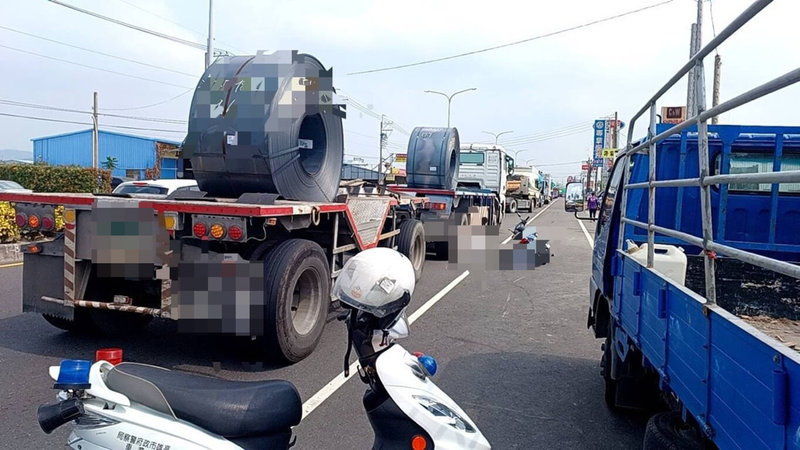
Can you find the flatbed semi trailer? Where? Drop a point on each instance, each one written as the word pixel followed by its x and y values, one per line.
pixel 254 266
pixel 445 208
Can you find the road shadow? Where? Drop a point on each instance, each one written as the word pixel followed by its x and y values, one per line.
pixel 159 343
pixel 531 401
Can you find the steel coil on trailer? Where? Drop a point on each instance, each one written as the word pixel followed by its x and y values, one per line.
pixel 266 123
pixel 433 158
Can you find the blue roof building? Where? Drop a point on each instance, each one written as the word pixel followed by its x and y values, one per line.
pixel 133 154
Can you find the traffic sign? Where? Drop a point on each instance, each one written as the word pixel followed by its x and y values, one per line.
pixel 400 157
pixel 584 167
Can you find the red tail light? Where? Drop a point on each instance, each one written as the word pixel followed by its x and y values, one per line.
pixel 439 206
pixel 47 223
pixel 21 220
pixel 235 232
pixel 200 229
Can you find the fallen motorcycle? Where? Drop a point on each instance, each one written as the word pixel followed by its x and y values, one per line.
pixel 138 406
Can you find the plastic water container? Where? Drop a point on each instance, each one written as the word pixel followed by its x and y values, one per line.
pixel 667 259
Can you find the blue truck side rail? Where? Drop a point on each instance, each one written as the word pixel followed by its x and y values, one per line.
pixel 741 386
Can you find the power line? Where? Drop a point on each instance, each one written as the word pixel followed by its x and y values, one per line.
pixel 541 36
pixel 150 105
pixel 544 132
pixel 49 119
pixel 134 27
pixel 78 111
pixel 93 67
pixel 98 52
pixel 46 119
pixel 192 30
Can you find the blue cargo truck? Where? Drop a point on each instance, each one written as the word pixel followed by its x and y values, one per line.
pixel 694 284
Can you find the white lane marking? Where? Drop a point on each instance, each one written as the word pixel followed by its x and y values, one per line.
pixel 586 233
pixel 531 220
pixel 312 403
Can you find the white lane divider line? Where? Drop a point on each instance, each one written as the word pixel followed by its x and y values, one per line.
pixel 586 233
pixel 312 403
pixel 531 220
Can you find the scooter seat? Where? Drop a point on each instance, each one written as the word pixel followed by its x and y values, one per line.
pixel 228 408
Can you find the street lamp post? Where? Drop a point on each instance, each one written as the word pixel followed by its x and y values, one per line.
pixel 497 135
pixel 520 151
pixel 449 99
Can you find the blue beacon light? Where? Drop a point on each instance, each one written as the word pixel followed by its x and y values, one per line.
pixel 428 363
pixel 73 374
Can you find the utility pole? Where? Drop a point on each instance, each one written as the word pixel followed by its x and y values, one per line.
pixel 690 91
pixel 386 130
pixel 210 46
pixel 692 94
pixel 95 140
pixel 715 95
pixel 589 174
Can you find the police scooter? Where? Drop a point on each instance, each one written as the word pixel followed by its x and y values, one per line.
pixel 131 405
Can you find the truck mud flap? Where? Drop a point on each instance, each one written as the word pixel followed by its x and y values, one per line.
pixel 42 275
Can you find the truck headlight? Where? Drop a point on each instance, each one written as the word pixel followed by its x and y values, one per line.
pixel 451 417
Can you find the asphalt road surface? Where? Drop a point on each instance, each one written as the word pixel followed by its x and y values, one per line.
pixel 512 347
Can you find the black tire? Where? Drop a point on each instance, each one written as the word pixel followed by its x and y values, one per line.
pixel 411 242
pixel 297 287
pixel 512 206
pixel 666 431
pixel 609 384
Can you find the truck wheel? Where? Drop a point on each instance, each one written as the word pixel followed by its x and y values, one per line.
pixel 411 242
pixel 666 431
pixel 512 206
pixel 609 384
pixel 297 289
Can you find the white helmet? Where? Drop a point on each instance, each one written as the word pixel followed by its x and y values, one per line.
pixel 376 281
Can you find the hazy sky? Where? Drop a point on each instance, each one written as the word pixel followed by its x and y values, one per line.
pixel 554 83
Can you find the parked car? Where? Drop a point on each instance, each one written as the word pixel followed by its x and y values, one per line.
pixel 116 181
pixel 12 186
pixel 157 187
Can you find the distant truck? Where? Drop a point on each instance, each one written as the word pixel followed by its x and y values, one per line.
pixel 486 167
pixel 448 201
pixel 523 189
pixel 547 188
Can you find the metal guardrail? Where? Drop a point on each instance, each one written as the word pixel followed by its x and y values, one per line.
pixel 704 181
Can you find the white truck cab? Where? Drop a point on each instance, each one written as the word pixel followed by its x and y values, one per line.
pixel 486 167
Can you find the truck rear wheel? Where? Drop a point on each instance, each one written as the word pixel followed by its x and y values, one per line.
pixel 297 295
pixel 512 206
pixel 411 242
pixel 666 431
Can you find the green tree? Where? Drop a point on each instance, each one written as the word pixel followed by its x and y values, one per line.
pixel 110 163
